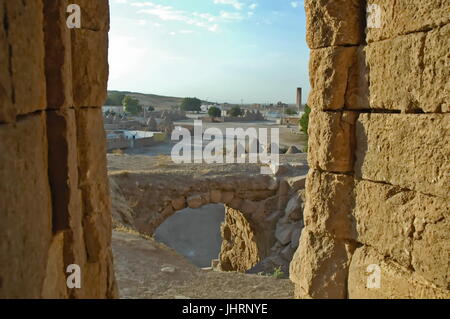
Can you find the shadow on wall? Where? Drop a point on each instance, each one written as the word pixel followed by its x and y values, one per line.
pixel 194 233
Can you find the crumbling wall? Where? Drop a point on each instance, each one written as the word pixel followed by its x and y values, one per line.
pixel 377 192
pixel 262 211
pixel 54 202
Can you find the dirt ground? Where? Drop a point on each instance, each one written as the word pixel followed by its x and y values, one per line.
pixel 146 269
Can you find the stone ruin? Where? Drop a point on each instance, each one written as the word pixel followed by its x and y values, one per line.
pixel 377 193
pixel 55 206
pixel 263 213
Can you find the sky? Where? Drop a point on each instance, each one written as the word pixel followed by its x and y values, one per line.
pixel 252 51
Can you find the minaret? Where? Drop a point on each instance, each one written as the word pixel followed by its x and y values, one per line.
pixel 299 99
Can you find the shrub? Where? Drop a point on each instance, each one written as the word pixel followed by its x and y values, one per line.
pixel 191 104
pixel 214 112
pixel 278 273
pixel 235 111
pixel 304 120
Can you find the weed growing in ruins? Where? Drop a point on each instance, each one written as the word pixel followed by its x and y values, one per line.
pixel 278 273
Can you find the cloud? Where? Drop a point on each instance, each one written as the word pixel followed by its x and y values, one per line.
pixel 234 3
pixel 253 6
pixel 295 4
pixel 142 22
pixel 231 15
pixel 206 21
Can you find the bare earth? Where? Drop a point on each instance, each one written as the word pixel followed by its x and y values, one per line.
pixel 149 270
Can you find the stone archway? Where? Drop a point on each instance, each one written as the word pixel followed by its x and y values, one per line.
pixel 255 206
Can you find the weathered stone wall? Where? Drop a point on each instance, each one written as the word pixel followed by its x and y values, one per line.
pixel 377 192
pixel 54 203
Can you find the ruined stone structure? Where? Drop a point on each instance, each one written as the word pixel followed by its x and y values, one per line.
pixel 262 212
pixel 377 191
pixel 54 203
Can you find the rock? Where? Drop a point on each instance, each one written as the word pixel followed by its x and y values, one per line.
pixel 227 197
pixel 280 169
pixel 215 264
pixel 169 269
pixel 248 207
pixel 216 196
pixel 283 233
pixel 297 182
pixel 179 203
pixel 293 150
pixel 287 253
pixel 195 201
pixel 295 237
pixel 294 208
pixel 274 216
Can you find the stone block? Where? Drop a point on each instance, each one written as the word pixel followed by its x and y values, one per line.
pixel 331 141
pixel 399 59
pixel 93 182
pixel 89 67
pixel 407 150
pixel 94 14
pixel 25 207
pixel 407 16
pixel 329 204
pixel 329 70
pixel 22 63
pixel 320 265
pixel 407 227
pixel 396 282
pixel 334 23
pixel 434 83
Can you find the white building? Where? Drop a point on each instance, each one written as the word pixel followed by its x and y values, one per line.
pixel 116 109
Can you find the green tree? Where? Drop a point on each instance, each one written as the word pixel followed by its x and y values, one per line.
pixel 235 111
pixel 304 120
pixel 214 112
pixel 191 104
pixel 290 111
pixel 131 105
pixel 115 99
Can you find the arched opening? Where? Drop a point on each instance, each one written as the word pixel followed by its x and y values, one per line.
pixel 194 233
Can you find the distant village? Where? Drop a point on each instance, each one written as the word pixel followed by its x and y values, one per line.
pixel 129 123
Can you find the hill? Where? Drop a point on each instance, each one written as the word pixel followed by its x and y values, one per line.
pixel 159 101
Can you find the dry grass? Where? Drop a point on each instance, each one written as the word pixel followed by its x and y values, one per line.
pixel 125 229
pixel 117 151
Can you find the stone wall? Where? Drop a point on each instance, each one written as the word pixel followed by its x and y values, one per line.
pixel 377 192
pixel 54 203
